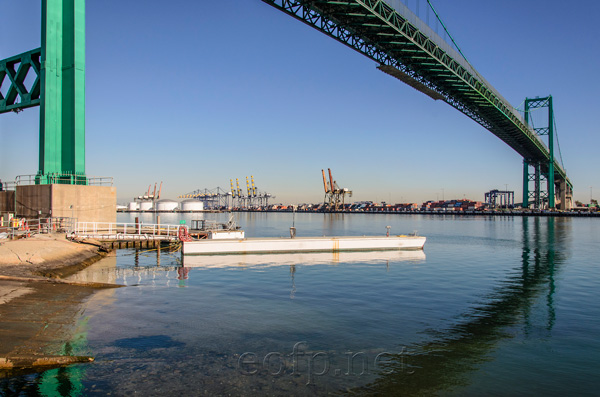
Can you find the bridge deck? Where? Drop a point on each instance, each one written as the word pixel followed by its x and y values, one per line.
pixel 413 53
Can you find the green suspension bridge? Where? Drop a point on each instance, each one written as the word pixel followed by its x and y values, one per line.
pixel 387 32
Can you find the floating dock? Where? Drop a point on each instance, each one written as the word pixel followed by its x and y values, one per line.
pixel 302 244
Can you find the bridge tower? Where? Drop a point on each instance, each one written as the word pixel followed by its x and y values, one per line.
pixel 59 90
pixel 540 172
pixel 60 187
pixel 62 108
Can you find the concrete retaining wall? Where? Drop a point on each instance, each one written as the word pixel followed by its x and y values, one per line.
pixel 7 201
pixel 86 203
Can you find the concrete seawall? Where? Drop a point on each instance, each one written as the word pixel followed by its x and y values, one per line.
pixel 39 310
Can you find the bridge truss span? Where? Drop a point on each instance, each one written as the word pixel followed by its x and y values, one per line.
pixel 406 48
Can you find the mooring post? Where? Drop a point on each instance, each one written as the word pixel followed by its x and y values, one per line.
pixel 158 255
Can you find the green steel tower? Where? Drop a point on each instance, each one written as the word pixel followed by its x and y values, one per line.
pixel 62 107
pixel 542 170
pixel 59 90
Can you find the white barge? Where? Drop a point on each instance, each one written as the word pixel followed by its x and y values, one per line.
pixel 217 245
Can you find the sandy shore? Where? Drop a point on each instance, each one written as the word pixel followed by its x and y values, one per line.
pixel 38 309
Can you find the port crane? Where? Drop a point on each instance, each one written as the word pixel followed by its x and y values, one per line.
pixel 235 198
pixel 151 196
pixel 334 195
pixel 254 199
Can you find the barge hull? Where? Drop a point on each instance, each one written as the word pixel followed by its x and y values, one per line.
pixel 302 244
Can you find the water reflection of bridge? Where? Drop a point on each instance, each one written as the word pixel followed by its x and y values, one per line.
pixel 445 362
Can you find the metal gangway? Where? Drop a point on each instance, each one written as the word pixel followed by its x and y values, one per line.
pixel 127 231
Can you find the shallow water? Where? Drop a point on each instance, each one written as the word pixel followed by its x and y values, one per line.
pixel 492 305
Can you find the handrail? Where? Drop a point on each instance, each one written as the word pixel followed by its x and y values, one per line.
pixel 8 185
pixel 123 228
pixel 23 180
pixel 25 227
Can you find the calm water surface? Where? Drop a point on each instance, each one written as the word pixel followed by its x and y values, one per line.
pixel 498 306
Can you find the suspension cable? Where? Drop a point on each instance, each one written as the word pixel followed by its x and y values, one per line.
pixel 558 144
pixel 446 30
pixel 463 55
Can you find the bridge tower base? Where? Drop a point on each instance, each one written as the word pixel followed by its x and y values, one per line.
pixel 84 203
pixel 538 196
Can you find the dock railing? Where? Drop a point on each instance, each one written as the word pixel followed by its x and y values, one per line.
pixel 11 227
pixel 127 231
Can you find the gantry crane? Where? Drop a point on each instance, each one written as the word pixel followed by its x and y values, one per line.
pixel 334 195
pixel 253 200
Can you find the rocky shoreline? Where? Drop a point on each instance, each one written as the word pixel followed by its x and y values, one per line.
pixel 38 308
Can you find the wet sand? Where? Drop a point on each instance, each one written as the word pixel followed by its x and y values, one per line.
pixel 38 309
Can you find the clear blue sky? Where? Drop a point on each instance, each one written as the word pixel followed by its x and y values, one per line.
pixel 195 93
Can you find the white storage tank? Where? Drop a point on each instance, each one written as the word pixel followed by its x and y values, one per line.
pixel 192 205
pixel 133 206
pixel 166 205
pixel 145 205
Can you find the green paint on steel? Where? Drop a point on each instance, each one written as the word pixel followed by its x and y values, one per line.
pixel 526 165
pixel 370 27
pixel 551 197
pixel 62 107
pixel 550 172
pixel 58 88
pixel 13 74
pixel 538 185
pixel 525 203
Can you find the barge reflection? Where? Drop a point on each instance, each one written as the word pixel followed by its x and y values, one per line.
pixel 315 258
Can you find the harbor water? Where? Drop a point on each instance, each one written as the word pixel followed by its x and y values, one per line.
pixel 492 305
